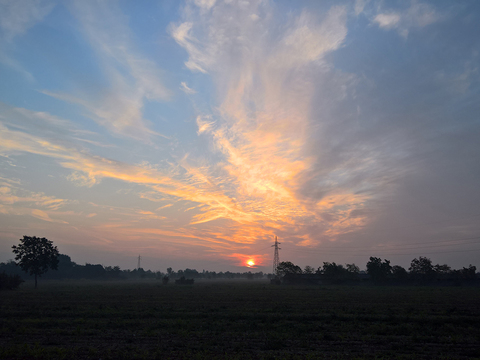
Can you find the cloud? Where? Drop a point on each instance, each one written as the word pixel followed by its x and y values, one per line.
pixel 16 17
pixel 42 215
pixel 262 125
pixel 204 124
pixel 186 89
pixel 88 170
pixel 417 16
pixel 317 134
pixel 133 79
pixel 206 4
pixel 15 200
pixel 309 41
pixel 15 65
pixel 387 21
pixel 11 194
pixel 198 61
pixel 359 6
pixel 304 154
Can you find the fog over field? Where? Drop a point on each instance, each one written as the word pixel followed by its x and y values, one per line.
pixel 194 132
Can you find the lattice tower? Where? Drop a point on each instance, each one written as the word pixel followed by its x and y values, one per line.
pixel 276 258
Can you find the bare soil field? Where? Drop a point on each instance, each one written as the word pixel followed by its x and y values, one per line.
pixel 237 320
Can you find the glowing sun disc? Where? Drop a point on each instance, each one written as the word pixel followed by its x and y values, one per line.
pixel 250 262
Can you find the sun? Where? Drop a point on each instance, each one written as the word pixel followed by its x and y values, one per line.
pixel 250 263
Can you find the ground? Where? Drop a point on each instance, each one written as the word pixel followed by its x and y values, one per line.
pixel 237 320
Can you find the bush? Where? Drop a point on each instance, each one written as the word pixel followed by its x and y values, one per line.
pixel 9 282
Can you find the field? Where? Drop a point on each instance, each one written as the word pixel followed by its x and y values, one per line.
pixel 237 320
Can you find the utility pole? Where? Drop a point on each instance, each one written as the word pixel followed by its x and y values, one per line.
pixel 138 265
pixel 276 258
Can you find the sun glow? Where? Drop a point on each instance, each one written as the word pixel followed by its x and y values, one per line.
pixel 250 263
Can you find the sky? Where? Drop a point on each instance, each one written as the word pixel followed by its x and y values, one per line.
pixel 192 133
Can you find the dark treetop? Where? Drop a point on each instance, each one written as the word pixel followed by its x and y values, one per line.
pixel 36 255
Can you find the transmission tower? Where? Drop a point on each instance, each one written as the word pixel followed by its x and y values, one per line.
pixel 138 265
pixel 276 258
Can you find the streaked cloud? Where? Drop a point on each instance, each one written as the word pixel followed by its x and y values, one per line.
pixel 311 121
pixel 198 60
pixel 184 87
pixel 16 200
pixel 418 15
pixel 262 125
pixel 16 17
pixel 132 77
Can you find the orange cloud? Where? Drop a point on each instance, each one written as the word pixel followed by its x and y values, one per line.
pixel 260 132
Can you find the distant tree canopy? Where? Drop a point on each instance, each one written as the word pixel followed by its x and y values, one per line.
pixel 378 270
pixel 399 274
pixel 337 274
pixel 309 270
pixel 287 267
pixel 36 255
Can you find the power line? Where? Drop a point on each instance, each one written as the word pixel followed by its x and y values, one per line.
pixel 442 243
pixel 438 252
pixel 360 248
pixel 380 250
pixel 424 223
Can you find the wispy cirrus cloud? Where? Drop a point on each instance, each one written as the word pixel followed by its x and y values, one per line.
pixel 262 126
pixel 418 15
pixel 10 195
pixel 184 87
pixel 16 17
pixel 132 78
pixel 17 201
pixel 191 184
pixel 315 132
pixel 268 179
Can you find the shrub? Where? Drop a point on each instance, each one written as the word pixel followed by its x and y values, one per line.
pixel 9 282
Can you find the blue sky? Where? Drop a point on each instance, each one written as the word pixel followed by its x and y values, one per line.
pixel 194 132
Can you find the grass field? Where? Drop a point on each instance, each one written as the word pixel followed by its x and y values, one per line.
pixel 238 320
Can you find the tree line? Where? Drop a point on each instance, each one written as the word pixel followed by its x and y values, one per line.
pixel 378 271
pixel 68 269
pixel 36 256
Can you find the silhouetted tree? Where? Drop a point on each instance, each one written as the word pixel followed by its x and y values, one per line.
pixel 378 270
pixel 442 269
pixel 287 267
pixel 36 255
pixel 308 270
pixel 468 274
pixel 191 273
pixel 399 274
pixel 338 273
pixel 421 269
pixel 113 272
pixel 170 272
pixel 65 266
pixel 352 269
